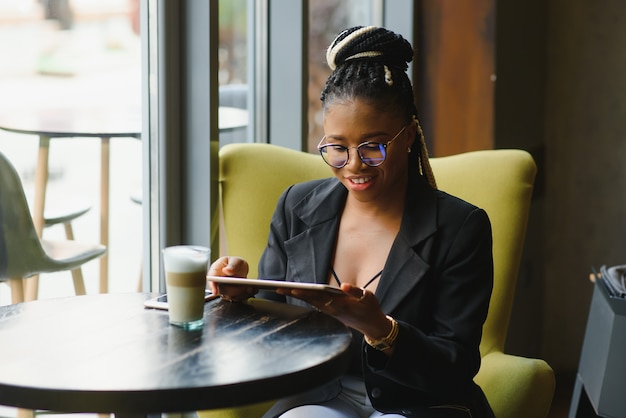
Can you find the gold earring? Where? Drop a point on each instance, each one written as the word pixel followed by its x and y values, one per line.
pixel 408 150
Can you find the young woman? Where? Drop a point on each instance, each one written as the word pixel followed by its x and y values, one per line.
pixel 414 263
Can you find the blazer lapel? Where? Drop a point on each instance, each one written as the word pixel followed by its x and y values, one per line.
pixel 406 264
pixel 311 250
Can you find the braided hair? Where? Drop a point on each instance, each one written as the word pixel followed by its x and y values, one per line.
pixel 370 63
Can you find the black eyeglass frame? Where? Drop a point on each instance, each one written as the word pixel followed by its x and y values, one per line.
pixel 382 147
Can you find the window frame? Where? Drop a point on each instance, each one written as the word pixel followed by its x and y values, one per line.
pixel 179 91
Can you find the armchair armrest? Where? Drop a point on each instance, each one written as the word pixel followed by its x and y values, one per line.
pixel 248 411
pixel 516 386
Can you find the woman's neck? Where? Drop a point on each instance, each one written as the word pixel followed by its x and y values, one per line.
pixel 390 204
pixel 389 207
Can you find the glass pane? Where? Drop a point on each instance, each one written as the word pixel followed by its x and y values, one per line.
pixel 233 71
pixel 327 19
pixel 73 67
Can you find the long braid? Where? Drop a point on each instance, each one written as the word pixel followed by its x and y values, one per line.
pixel 370 63
pixel 424 161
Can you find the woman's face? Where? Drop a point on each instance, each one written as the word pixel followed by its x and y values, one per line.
pixel 352 122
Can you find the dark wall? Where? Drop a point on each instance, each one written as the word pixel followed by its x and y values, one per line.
pixel 586 146
pixel 521 64
pixel 561 94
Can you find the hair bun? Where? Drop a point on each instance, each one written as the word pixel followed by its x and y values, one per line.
pixel 371 43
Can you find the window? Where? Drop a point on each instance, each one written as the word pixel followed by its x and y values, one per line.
pixel 73 61
pixel 234 67
pixel 326 19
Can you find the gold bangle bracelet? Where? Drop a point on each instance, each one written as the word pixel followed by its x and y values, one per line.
pixel 386 342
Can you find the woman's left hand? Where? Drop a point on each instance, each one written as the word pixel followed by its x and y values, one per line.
pixel 356 307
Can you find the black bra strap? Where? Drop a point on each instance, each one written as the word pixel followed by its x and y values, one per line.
pixel 332 270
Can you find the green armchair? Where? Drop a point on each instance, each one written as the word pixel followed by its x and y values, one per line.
pixel 252 176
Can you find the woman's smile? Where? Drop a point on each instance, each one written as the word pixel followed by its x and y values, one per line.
pixel 361 180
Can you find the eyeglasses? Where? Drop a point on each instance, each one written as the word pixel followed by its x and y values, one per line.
pixel 371 153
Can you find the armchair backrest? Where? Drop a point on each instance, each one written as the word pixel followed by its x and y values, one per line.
pixel 252 176
pixel 501 183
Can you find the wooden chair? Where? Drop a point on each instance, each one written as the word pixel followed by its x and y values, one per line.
pixel 252 176
pixel 22 252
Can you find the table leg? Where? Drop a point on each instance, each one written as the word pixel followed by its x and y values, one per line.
pixel 25 413
pixel 104 212
pixel 41 183
pixel 17 290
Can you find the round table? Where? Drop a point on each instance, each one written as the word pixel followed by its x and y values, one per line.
pixel 107 353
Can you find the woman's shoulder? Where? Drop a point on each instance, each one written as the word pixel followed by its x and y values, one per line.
pixel 314 200
pixel 446 199
pixel 445 207
pixel 453 210
pixel 299 191
pixel 438 199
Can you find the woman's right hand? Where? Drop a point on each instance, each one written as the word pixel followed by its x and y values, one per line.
pixel 230 267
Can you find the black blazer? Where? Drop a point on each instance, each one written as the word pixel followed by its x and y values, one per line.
pixel 436 283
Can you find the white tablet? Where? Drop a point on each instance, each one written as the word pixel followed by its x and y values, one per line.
pixel 273 284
